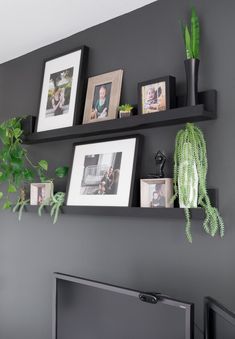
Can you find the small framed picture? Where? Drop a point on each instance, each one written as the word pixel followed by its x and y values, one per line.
pixel 156 95
pixel 40 193
pixel 103 97
pixel 103 173
pixel 62 90
pixel 156 193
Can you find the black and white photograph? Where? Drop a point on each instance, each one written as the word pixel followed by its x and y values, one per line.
pixel 40 193
pixel 103 173
pixel 156 193
pixel 62 90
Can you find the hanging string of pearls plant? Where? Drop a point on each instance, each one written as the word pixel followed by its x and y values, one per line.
pixel 190 171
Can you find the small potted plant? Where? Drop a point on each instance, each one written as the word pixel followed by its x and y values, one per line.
pixel 125 110
pixel 192 48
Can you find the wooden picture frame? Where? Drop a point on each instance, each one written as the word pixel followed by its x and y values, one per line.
pixel 104 88
pixel 156 95
pixel 156 193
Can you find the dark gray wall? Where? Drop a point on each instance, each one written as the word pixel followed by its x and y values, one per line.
pixel 150 254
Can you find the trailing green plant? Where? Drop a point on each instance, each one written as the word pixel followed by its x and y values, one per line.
pixel 125 108
pixel 196 155
pixel 192 36
pixel 17 170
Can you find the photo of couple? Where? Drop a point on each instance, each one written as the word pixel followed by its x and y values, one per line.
pixel 59 92
pixel 154 97
pixel 101 174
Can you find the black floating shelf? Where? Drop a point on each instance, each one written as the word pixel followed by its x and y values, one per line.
pixel 136 212
pixel 206 110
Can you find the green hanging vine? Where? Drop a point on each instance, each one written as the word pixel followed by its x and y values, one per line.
pixel 190 154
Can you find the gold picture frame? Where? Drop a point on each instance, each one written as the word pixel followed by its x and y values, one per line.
pixel 103 97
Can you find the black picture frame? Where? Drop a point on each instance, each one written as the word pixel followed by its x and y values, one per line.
pixel 170 87
pixel 134 196
pixel 81 84
pixel 211 308
pixel 151 297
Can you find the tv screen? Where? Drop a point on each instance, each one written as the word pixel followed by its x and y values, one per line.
pixel 89 310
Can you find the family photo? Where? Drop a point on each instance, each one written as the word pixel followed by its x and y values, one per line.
pixel 59 92
pixel 154 97
pixel 100 107
pixel 101 174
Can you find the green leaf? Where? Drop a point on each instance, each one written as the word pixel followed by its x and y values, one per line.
pixel 28 175
pixel 7 205
pixel 188 43
pixel 1 195
pixel 195 34
pixel 61 172
pixel 11 189
pixel 43 164
pixel 3 135
pixel 17 132
pixel 43 178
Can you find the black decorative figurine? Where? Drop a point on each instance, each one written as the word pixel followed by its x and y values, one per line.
pixel 160 160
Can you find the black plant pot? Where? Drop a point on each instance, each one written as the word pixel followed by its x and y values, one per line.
pixel 191 69
pixel 28 124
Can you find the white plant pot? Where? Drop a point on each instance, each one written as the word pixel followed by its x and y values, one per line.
pixel 188 181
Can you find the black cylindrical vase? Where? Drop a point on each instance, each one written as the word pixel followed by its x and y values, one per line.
pixel 191 69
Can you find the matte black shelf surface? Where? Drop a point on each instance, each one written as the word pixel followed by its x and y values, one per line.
pixel 206 110
pixel 136 212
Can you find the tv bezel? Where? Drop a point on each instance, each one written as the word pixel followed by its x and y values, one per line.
pixel 212 307
pixel 187 306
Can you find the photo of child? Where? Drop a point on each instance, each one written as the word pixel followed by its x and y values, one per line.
pixel 59 93
pixel 154 97
pixel 156 193
pixel 100 106
pixel 157 196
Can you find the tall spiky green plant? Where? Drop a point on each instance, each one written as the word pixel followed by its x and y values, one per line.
pixel 196 155
pixel 192 37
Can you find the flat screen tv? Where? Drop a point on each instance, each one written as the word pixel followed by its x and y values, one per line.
pixel 219 322
pixel 86 309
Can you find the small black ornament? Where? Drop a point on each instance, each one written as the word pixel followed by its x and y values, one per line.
pixel 160 160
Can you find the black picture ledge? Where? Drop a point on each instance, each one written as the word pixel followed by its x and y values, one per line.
pixel 205 110
pixel 135 212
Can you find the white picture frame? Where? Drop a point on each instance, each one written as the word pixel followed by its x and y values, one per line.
pixel 62 90
pixel 91 183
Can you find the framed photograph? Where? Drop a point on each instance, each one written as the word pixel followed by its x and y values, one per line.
pixel 62 90
pixel 156 95
pixel 40 193
pixel 103 173
pixel 103 97
pixel 156 193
